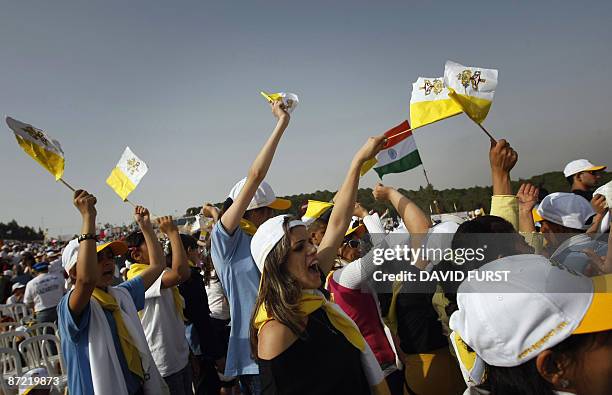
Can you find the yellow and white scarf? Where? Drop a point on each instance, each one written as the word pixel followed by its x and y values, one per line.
pixel 107 375
pixel 312 300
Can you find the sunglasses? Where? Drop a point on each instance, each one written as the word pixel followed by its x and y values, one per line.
pixel 353 243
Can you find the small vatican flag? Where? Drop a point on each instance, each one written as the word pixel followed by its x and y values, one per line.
pixel 430 102
pixel 42 148
pixel 471 87
pixel 290 100
pixel 127 174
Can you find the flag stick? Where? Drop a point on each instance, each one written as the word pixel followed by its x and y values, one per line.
pixel 130 203
pixel 67 185
pixel 425 173
pixel 483 129
pixel 404 132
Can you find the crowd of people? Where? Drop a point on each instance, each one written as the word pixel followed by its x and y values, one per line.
pixel 266 303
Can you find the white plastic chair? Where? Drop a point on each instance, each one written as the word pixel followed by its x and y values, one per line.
pixel 12 338
pixel 44 328
pixel 45 351
pixel 19 311
pixel 10 360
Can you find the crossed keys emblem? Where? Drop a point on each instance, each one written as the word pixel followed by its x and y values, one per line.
pixel 466 77
pixel 437 86
pixel 36 135
pixel 132 165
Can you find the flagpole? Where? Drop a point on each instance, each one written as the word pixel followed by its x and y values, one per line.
pixel 426 178
pixel 67 185
pixel 482 128
pixel 404 132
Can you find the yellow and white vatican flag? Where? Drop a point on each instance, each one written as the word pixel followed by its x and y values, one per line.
pixel 290 100
pixel 42 148
pixel 127 174
pixel 471 87
pixel 430 102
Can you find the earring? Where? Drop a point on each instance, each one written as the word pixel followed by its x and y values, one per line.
pixel 564 383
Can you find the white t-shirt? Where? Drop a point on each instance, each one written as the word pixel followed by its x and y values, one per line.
pixel 44 290
pixel 217 302
pixel 13 300
pixel 164 329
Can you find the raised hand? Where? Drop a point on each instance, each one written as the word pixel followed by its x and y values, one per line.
pixel 142 217
pixel 85 203
pixel 209 211
pixel 279 112
pixel 381 192
pixel 599 204
pixel 370 148
pixel 501 156
pixel 527 196
pixel 167 225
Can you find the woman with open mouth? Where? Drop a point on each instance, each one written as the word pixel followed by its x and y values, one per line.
pixel 293 324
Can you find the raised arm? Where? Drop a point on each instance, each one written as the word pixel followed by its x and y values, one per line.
pixel 231 218
pixel 414 218
pixel 503 203
pixel 345 204
pixel 180 271
pixel 417 223
pixel 527 198
pixel 87 271
pixel 210 211
pixel 502 159
pixel 156 253
pixel 598 202
pixel 600 265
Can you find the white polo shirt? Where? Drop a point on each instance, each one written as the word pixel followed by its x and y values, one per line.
pixel 44 290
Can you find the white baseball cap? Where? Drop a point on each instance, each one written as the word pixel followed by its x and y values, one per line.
pixel 264 196
pixel 71 251
pixel 507 323
pixel 567 209
pixel 17 286
pixel 267 236
pixel 579 165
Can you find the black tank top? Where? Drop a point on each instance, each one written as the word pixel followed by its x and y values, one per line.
pixel 323 361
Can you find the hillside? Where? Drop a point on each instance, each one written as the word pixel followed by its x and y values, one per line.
pixel 449 200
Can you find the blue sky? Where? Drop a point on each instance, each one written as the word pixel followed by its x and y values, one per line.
pixel 178 82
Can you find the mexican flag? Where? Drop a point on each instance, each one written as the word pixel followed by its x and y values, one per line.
pixel 400 152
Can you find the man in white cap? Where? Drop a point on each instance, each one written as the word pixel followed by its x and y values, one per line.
pixel 18 290
pixel 582 175
pixel 564 219
pixel 252 201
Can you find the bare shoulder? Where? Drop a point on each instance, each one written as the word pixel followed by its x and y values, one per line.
pixel 273 339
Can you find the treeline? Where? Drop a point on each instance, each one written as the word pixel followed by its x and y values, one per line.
pixel 433 200
pixel 12 231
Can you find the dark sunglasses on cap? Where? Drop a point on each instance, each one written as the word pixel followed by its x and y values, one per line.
pixel 353 243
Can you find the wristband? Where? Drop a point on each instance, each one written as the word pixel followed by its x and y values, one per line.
pixel 87 236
